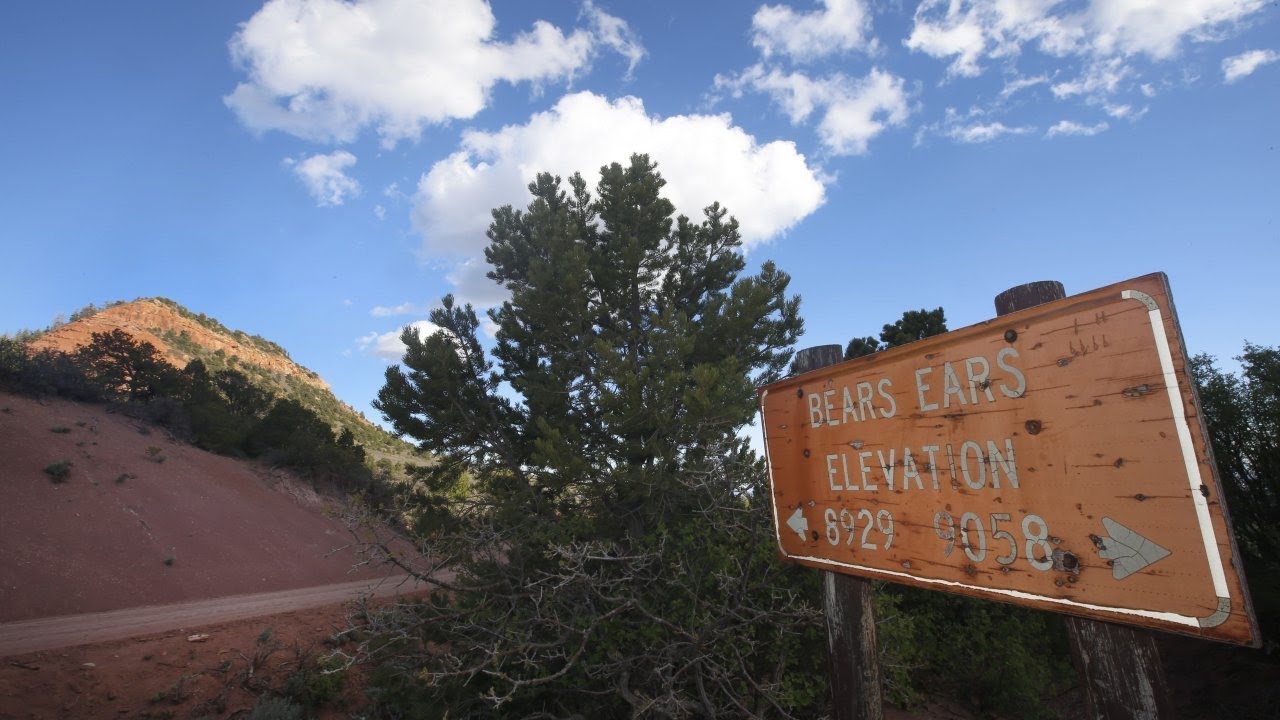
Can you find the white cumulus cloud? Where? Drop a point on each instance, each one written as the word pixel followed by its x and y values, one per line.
pixel 768 187
pixel 388 345
pixel 324 70
pixel 325 176
pixel 704 158
pixel 469 278
pixel 1241 66
pixel 840 26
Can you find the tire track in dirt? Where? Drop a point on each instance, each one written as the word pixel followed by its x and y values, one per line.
pixel 17 638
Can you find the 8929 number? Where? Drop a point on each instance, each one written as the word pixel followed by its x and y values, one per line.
pixel 846 524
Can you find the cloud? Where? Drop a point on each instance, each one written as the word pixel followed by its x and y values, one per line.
pixel 961 34
pixel 387 345
pixel 853 111
pixel 324 70
pixel 969 31
pixel 971 127
pixel 325 176
pixel 471 285
pixel 984 132
pixel 1100 80
pixel 615 34
pixel 402 309
pixel 1105 35
pixel 1123 111
pixel 1017 85
pixel 1158 29
pixel 1069 127
pixel 1241 66
pixel 840 26
pixel 769 187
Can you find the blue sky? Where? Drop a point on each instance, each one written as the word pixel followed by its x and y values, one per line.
pixel 320 172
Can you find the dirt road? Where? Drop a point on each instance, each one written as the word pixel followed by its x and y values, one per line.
pixel 17 638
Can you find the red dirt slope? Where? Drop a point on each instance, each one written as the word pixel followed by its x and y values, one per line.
pixel 143 519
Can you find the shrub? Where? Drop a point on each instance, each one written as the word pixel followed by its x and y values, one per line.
pixel 155 454
pixel 314 686
pixel 271 707
pixel 60 429
pixel 58 472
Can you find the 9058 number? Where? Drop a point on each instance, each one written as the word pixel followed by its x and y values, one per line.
pixel 971 535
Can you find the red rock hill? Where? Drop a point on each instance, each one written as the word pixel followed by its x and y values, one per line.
pixel 157 321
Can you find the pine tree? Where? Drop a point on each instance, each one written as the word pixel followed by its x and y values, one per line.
pixel 913 325
pixel 127 368
pixel 608 527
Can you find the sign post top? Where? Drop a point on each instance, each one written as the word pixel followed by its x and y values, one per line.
pixel 1052 457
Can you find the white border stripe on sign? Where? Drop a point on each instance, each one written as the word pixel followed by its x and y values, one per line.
pixel 1207 535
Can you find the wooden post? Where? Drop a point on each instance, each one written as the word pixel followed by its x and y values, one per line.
pixel 846 602
pixel 1118 665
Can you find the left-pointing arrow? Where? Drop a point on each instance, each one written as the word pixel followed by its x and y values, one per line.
pixel 798 523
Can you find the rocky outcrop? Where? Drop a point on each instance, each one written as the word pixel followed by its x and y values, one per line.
pixel 154 321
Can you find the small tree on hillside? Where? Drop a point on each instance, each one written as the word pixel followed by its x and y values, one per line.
pixel 130 369
pixel 614 555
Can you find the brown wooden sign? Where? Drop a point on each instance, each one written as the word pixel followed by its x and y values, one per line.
pixel 1053 457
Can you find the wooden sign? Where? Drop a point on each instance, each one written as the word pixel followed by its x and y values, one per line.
pixel 1053 457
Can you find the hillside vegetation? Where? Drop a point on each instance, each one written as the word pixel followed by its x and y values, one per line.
pixel 234 394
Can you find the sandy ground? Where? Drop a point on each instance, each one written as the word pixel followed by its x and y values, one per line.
pixel 147 542
pixel 165 675
pixel 145 520
pixel 28 636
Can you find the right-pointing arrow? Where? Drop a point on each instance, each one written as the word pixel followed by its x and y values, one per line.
pixel 798 523
pixel 1128 551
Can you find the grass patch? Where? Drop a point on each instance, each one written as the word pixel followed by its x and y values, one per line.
pixel 122 477
pixel 155 454
pixel 58 472
pixel 175 694
pixel 60 429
